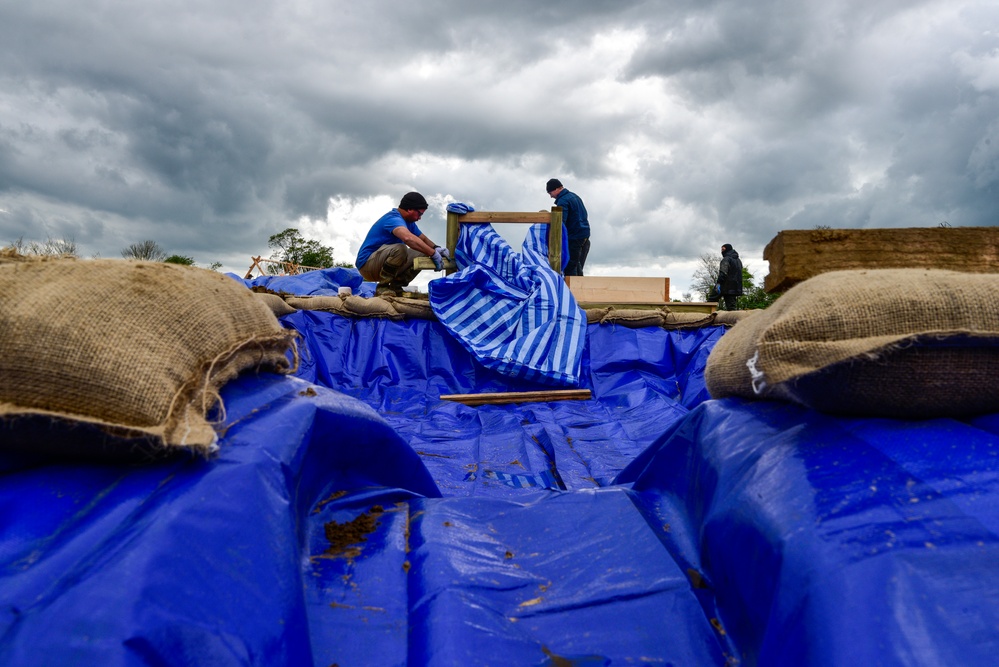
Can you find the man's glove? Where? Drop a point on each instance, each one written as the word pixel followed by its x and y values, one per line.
pixel 718 288
pixel 438 261
pixel 443 251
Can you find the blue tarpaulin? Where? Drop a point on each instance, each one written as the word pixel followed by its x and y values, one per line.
pixel 511 310
pixel 324 282
pixel 836 541
pixel 352 517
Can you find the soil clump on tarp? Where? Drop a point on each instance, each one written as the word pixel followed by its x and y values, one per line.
pixel 345 538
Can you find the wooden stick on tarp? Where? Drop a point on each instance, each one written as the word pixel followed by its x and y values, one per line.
pixel 498 397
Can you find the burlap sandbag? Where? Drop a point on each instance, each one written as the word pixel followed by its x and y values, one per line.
pixel 276 303
pixel 904 343
pixel 390 307
pixel 139 349
pixel 639 318
pixel 730 318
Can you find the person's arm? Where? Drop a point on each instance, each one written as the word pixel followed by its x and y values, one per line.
pixel 568 210
pixel 419 243
pixel 423 237
pixel 445 253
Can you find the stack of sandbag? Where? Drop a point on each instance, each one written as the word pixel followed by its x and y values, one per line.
pixel 388 307
pixel 904 343
pixel 637 318
pixel 134 349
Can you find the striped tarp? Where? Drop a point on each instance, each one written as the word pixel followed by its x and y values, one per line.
pixel 511 310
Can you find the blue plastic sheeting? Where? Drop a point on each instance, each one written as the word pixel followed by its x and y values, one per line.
pixel 321 282
pixel 234 561
pixel 643 380
pixel 557 579
pixel 187 561
pixel 511 311
pixel 648 525
pixel 834 541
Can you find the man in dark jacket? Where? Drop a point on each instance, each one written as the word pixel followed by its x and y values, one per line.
pixel 729 284
pixel 577 225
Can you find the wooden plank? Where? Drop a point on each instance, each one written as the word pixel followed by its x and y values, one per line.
pixel 482 217
pixel 619 289
pixel 797 255
pixel 427 264
pixel 501 397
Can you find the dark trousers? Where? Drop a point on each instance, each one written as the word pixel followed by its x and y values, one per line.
pixel 578 250
pixel 731 302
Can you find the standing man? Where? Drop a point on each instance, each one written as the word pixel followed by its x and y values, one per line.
pixel 729 284
pixel 577 225
pixel 392 243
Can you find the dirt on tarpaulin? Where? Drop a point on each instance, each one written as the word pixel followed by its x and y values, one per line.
pixel 345 538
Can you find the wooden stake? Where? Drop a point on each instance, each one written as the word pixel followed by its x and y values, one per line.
pixel 500 397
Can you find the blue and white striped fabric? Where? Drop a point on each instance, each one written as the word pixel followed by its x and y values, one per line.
pixel 460 208
pixel 512 311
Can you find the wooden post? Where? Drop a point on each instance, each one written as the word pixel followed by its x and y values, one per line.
pixel 254 265
pixel 453 231
pixel 555 240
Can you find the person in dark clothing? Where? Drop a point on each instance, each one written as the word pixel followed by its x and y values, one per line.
pixel 729 285
pixel 577 226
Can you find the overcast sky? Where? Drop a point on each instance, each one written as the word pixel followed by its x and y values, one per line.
pixel 209 125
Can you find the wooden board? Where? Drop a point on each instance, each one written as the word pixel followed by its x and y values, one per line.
pixel 427 264
pixel 483 217
pixel 498 397
pixel 618 289
pixel 797 255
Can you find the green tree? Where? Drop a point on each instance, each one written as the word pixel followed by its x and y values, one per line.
pixel 180 259
pixel 754 297
pixel 706 275
pixel 290 246
pixel 145 250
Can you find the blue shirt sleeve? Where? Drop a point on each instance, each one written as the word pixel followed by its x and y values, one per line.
pixel 381 234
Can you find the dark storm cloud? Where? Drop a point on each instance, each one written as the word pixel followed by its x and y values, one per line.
pixel 814 93
pixel 208 126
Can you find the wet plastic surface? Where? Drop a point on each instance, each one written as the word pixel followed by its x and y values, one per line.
pixel 375 524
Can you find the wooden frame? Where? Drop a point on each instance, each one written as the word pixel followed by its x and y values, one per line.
pixel 290 268
pixel 553 219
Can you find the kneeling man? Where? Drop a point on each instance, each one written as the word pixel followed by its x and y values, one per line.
pixel 386 256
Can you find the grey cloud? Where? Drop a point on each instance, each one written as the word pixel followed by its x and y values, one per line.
pixel 209 126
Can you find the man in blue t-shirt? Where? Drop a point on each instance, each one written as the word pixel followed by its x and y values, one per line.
pixel 387 254
pixel 577 225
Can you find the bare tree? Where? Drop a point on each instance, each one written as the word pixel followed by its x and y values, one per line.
pixel 705 275
pixel 147 250
pixel 51 247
